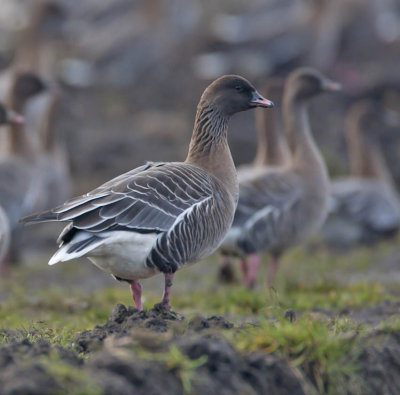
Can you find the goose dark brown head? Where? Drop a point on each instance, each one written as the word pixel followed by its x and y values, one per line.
pixel 8 116
pixel 231 94
pixel 305 83
pixel 26 86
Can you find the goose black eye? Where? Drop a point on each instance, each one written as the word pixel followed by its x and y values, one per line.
pixel 239 88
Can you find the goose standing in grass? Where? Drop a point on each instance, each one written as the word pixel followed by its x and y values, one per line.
pixel 365 205
pixel 160 217
pixel 7 116
pixel 20 180
pixel 272 150
pixel 283 206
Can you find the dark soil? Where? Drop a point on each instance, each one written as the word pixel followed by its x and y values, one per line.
pixel 116 368
pixel 380 363
pixel 116 360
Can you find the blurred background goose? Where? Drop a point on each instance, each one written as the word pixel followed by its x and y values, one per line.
pixel 365 205
pixel 39 44
pixel 21 179
pixel 161 216
pixel 283 206
pixel 272 150
pixel 7 116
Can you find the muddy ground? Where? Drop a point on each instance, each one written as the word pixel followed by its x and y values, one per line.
pixel 106 359
pixel 195 351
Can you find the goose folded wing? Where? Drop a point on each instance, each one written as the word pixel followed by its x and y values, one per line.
pixel 273 190
pixel 147 199
pixel 263 208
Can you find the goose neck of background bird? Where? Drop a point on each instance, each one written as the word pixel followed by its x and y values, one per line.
pixel 34 52
pixel 47 129
pixel 305 155
pixel 209 145
pixel 271 145
pixel 365 155
pixel 20 143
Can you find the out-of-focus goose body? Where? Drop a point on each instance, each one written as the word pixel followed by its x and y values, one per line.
pixel 6 117
pixel 20 176
pixel 19 171
pixel 161 216
pixel 365 205
pixel 282 206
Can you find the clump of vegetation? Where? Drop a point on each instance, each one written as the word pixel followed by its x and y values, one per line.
pixel 327 356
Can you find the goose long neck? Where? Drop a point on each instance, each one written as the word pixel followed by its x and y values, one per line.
pixel 298 133
pixel 27 55
pixel 209 145
pixel 366 158
pixel 305 156
pixel 271 149
pixel 47 130
pixel 19 142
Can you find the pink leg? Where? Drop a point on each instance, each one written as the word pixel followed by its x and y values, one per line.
pixel 271 271
pixel 254 264
pixel 136 289
pixel 244 267
pixel 165 301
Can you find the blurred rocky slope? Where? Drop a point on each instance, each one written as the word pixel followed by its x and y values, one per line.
pixel 133 71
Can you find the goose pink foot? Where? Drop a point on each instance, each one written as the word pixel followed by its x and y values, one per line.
pixel 136 289
pixel 253 266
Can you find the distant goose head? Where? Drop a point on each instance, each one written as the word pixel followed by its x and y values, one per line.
pixel 8 116
pixel 305 83
pixel 27 85
pixel 231 94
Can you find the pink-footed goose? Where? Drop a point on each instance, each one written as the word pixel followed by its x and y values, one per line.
pixel 20 184
pixel 272 150
pixel 283 206
pixel 365 205
pixel 7 116
pixel 161 216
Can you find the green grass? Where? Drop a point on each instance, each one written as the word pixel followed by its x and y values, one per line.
pixel 325 352
pixel 316 283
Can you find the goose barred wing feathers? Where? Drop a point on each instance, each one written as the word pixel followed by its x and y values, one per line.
pixel 264 203
pixel 148 199
pixel 164 198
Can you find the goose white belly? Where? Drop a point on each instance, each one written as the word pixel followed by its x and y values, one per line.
pixel 120 253
pixel 123 254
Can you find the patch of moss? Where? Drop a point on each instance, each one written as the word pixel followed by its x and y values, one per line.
pixel 326 356
pixel 174 361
